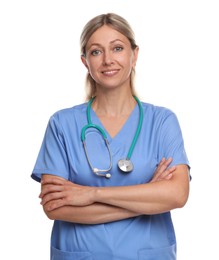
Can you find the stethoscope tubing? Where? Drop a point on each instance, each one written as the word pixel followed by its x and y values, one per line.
pixel 96 170
pixel 137 131
pixel 123 162
pixel 83 131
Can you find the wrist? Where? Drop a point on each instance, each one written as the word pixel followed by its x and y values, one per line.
pixel 96 194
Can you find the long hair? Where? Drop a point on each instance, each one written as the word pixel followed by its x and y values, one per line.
pixel 119 24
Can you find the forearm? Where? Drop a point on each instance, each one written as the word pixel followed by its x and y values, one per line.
pixel 141 199
pixel 165 192
pixel 96 213
pixel 150 198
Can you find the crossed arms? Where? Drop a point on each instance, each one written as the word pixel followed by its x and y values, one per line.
pixel 67 201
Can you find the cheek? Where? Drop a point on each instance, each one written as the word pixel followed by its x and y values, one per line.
pixel 91 67
pixel 93 70
pixel 128 64
pixel 127 60
pixel 93 64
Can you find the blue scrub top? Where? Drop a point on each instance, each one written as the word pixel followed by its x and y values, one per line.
pixel 146 237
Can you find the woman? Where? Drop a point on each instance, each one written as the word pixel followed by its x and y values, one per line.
pixel 120 210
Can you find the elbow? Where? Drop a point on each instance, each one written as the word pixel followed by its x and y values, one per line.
pixel 50 214
pixel 180 191
pixel 181 203
pixel 181 199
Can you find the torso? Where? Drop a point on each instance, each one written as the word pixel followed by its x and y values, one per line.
pixel 74 240
pixel 113 124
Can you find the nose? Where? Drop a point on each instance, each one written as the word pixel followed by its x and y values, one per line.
pixel 107 58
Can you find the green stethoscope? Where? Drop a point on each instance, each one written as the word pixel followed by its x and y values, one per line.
pixel 125 165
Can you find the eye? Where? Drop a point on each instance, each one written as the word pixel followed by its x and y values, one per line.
pixel 118 48
pixel 95 52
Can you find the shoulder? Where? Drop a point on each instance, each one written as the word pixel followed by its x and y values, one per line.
pixel 69 113
pixel 159 117
pixel 68 117
pixel 151 110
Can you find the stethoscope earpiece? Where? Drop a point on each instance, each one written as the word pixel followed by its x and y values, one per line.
pixel 108 175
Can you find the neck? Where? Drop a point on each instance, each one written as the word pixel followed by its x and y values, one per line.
pixel 114 105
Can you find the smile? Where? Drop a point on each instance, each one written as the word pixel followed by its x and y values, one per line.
pixel 110 72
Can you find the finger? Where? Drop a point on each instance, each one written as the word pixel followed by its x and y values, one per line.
pixel 55 204
pixel 161 163
pixel 171 169
pixel 167 174
pixel 49 189
pixel 165 164
pixel 52 196
pixel 161 168
pixel 53 180
pixel 168 161
pixel 163 172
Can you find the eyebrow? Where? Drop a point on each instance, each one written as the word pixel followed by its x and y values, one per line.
pixel 98 44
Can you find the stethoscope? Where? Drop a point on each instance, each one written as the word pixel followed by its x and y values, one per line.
pixel 125 165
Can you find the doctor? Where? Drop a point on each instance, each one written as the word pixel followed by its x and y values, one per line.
pixel 113 168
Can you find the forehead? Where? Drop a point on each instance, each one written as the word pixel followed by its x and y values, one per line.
pixel 106 35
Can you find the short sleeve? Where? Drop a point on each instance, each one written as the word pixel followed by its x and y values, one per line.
pixel 52 157
pixel 171 141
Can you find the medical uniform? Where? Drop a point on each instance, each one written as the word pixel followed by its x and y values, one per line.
pixel 146 237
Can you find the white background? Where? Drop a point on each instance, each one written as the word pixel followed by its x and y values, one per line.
pixel 41 72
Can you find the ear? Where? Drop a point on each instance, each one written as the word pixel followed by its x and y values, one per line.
pixel 135 56
pixel 83 59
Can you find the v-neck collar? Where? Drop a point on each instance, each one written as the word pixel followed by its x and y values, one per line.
pixel 95 120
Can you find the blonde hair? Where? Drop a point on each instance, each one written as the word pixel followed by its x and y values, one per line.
pixel 119 24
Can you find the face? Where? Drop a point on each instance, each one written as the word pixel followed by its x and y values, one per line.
pixel 109 58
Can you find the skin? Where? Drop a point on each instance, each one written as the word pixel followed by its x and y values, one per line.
pixel 109 60
pixel 64 200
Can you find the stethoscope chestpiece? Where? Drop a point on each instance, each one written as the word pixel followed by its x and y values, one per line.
pixel 125 165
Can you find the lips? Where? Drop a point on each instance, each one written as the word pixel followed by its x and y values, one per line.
pixel 110 72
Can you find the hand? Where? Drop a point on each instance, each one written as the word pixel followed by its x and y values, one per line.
pixel 163 172
pixel 57 192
